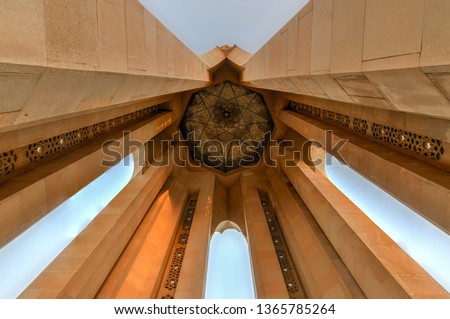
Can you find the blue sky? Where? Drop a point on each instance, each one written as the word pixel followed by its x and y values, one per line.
pixel 24 258
pixel 229 272
pixel 205 24
pixel 425 243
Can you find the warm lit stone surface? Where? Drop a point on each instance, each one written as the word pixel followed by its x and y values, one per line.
pixel 382 42
pixel 269 281
pixel 75 43
pixel 71 64
pixel 375 261
pixel 100 244
pixel 25 20
pixel 138 271
pixel 436 26
pixel 347 36
pixel 192 278
pixel 392 28
pixel 320 276
pixel 57 180
pixel 112 45
pixel 71 33
pixel 322 25
pixel 388 169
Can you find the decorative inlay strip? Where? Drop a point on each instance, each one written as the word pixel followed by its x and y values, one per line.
pixel 284 260
pixel 360 126
pixel 172 273
pixel 421 145
pixel 56 144
pixel 409 142
pixel 7 162
pixel 35 152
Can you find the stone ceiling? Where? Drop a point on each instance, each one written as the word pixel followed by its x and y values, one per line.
pixel 226 126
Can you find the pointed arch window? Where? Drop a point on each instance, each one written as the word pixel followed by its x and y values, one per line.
pixel 421 240
pixel 229 274
pixel 24 258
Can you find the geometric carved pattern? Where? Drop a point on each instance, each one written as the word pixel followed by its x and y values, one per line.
pixel 37 151
pixel 172 273
pixel 99 128
pixel 336 118
pixel 407 141
pixel 226 126
pixel 421 145
pixel 289 274
pixel 7 162
pixel 360 126
pixel 56 144
pixel 175 267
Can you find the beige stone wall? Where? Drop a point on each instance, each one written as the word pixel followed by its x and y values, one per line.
pixel 62 57
pixel 321 271
pixel 386 54
pixel 221 211
pixel 139 270
pixel 192 280
pixel 81 268
pixel 424 128
pixel 118 36
pixel 422 187
pixel 268 279
pixel 380 267
pixel 28 197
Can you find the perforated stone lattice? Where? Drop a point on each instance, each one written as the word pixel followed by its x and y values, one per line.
pixel 336 118
pixel 360 126
pixel 7 162
pixel 418 144
pixel 99 129
pixel 56 144
pixel 421 145
pixel 35 152
pixel 172 273
pixel 289 275
pixel 175 267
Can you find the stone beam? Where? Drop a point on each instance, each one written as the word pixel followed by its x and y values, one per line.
pixel 381 268
pixel 269 282
pixel 424 188
pixel 81 268
pixel 192 280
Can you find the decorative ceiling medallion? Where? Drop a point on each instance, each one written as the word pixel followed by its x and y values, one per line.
pixel 226 126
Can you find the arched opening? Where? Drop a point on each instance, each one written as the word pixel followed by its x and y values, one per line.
pixel 24 258
pixel 229 274
pixel 421 240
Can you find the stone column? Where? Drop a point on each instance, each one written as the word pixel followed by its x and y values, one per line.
pixel 418 185
pixel 191 283
pixel 381 268
pixel 269 282
pixel 320 271
pixel 138 272
pixel 81 268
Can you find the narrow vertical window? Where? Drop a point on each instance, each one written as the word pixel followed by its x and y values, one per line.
pixel 24 258
pixel 229 274
pixel 421 240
